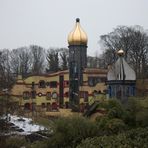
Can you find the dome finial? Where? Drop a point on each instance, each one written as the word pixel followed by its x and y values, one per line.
pixel 77 20
pixel 77 36
pixel 120 52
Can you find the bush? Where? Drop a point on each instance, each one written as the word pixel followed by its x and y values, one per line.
pixel 114 103
pixel 116 112
pixel 134 109
pixel 133 138
pixel 109 126
pixel 115 126
pixel 15 142
pixel 39 144
pixel 142 118
pixel 68 132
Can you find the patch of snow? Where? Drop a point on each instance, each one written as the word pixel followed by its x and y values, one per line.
pixel 25 124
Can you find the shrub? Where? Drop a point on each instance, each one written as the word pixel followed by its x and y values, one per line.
pixel 109 126
pixel 115 126
pixel 133 138
pixel 15 142
pixel 39 144
pixel 116 112
pixel 68 132
pixel 142 118
pixel 114 103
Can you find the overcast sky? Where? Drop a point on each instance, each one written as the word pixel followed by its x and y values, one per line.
pixel 47 22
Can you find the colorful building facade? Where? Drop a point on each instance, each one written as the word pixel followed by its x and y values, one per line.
pixel 51 91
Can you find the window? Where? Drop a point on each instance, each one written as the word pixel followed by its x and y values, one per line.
pixel 27 106
pixel 66 94
pixel 92 81
pixel 47 84
pixel 33 85
pixel 66 83
pixel 42 84
pixel 33 94
pixel 43 105
pixel 103 79
pixel 48 95
pixel 84 94
pixel 54 95
pixel 48 107
pixel 53 84
pixel 26 95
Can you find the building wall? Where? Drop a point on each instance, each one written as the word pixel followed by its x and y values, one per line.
pixel 93 80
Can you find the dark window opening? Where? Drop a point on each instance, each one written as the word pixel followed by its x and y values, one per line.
pixel 54 106
pixel 66 94
pixel 53 84
pixel 42 84
pixel 48 107
pixel 84 94
pixel 33 85
pixel 48 95
pixel 33 94
pixel 92 81
pixel 66 83
pixel 66 104
pixel 43 105
pixel 27 106
pixel 95 93
pixel 26 95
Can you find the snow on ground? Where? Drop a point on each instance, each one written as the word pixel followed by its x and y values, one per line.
pixel 25 124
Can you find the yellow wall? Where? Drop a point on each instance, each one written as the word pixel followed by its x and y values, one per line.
pixel 26 84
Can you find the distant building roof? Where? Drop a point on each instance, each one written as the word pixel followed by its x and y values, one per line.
pixel 121 70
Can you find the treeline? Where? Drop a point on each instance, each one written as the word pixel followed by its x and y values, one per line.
pixel 30 60
pixel 34 59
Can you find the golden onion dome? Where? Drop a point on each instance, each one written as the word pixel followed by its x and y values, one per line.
pixel 77 36
pixel 120 52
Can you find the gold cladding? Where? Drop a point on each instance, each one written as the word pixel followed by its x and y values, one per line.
pixel 77 36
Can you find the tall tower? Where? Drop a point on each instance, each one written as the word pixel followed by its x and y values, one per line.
pixel 77 40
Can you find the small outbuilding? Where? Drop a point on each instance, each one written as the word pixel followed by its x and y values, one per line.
pixel 121 79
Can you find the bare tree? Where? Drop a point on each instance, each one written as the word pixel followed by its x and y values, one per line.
pixel 21 61
pixel 64 55
pixel 134 41
pixel 52 60
pixel 93 61
pixel 38 57
pixel 6 76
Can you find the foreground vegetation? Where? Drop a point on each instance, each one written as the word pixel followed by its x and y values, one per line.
pixel 132 138
pixel 121 126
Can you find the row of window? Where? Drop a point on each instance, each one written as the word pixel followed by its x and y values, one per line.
pixel 92 81
pixel 32 95
pixel 53 95
pixel 52 84
pixel 43 84
pixel 48 106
